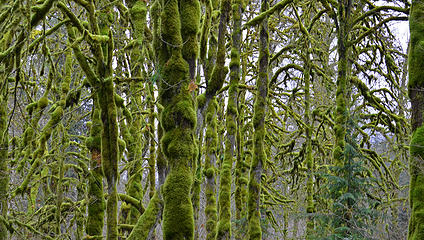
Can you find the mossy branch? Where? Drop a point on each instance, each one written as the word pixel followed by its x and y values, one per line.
pixel 147 222
pixel 133 201
pixel 258 19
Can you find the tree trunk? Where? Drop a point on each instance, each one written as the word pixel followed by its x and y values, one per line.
pixel 260 109
pixel 416 94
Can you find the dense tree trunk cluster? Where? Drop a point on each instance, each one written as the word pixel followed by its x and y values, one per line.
pixel 211 119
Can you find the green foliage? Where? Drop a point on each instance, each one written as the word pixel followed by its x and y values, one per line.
pixel 354 213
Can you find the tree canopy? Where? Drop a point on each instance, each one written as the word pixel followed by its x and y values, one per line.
pixel 211 119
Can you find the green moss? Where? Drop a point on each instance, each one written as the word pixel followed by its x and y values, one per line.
pixel 30 107
pixel 28 135
pixel 148 219
pixel 128 114
pixel 209 173
pixel 235 58
pixel 417 142
pixel 96 205
pixel 177 144
pixel 217 79
pixel 56 116
pixel 178 222
pixel 138 12
pixel 40 11
pixel 211 139
pixel 4 170
pixel 178 120
pixel 416 51
pixel 190 22
pixel 170 23
pixel 121 145
pixel 201 100
pixel 181 111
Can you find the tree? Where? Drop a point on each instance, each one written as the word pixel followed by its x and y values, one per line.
pixel 118 109
pixel 415 84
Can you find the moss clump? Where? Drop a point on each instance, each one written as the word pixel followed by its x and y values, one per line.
pixel 209 173
pixel 178 120
pixel 416 51
pixel 190 22
pixel 31 107
pixel 138 11
pixel 171 26
pixel 178 222
pixel 201 100
pixel 174 143
pixel 42 102
pixel 28 135
pixel 96 202
pixel 181 111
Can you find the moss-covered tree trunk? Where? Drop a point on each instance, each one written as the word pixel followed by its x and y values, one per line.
pixel 260 106
pixel 109 153
pixel 4 172
pixel 341 113
pixel 95 201
pixel 217 79
pixel 190 22
pixel 243 154
pixel 342 70
pixel 138 11
pixel 210 170
pixel 178 120
pixel 235 78
pixel 310 206
pixel 4 142
pixel 416 94
pixel 105 90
